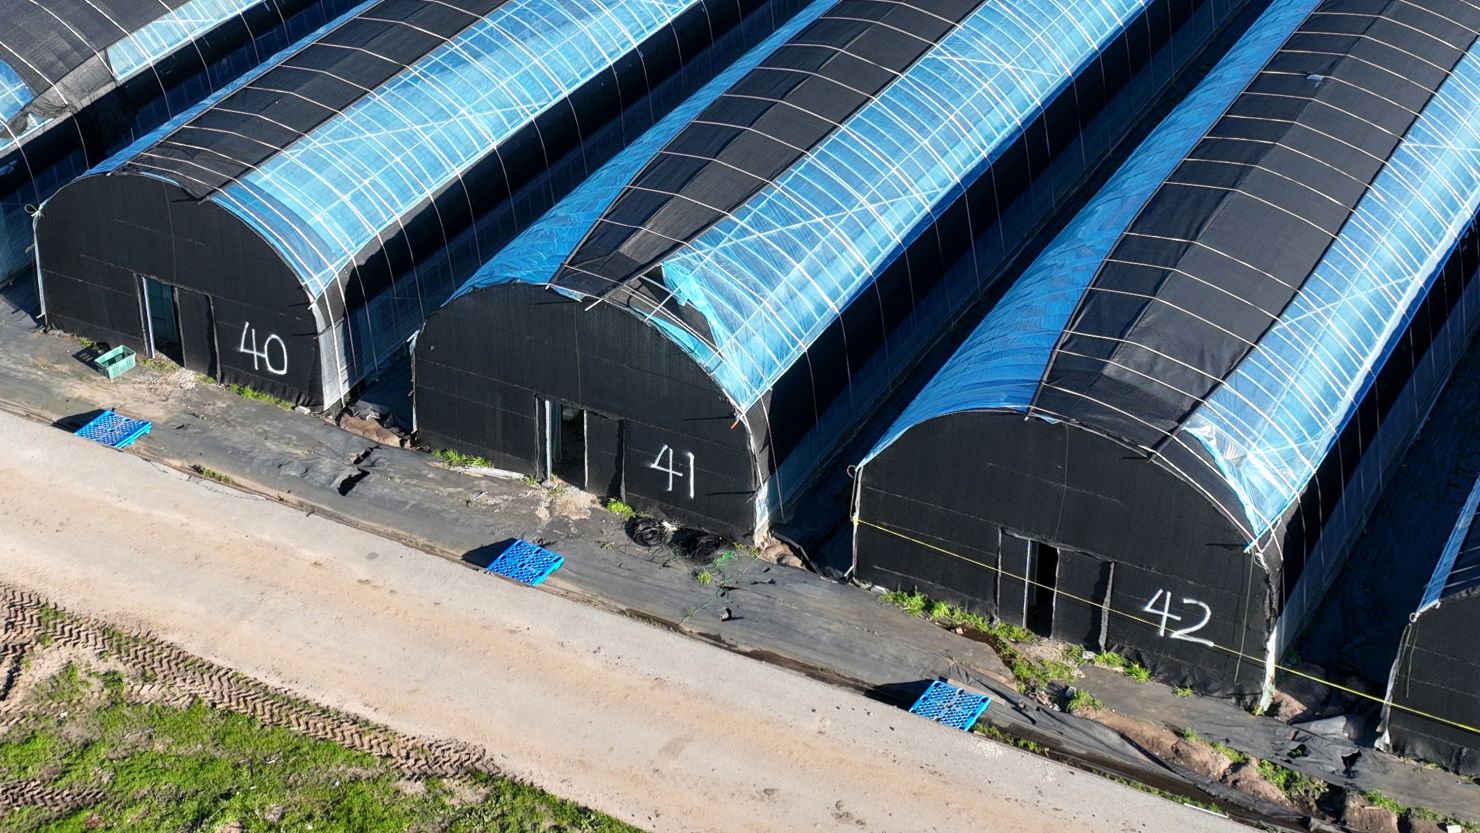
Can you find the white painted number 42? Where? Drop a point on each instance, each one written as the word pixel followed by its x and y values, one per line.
pixel 1166 614
pixel 664 463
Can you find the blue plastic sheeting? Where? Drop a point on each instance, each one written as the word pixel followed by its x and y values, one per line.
pixel 1000 364
pixel 537 253
pixel 171 31
pixel 331 193
pixel 1458 538
pixel 1273 420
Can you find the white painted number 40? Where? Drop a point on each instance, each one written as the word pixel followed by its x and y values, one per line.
pixel 664 463
pixel 263 359
pixel 1166 614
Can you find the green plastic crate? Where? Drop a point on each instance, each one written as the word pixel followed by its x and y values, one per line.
pixel 116 362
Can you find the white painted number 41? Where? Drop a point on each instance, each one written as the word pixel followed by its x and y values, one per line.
pixel 664 463
pixel 1166 614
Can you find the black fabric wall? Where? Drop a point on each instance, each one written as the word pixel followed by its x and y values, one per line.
pixel 1438 672
pixel 485 361
pixel 1130 535
pixel 100 233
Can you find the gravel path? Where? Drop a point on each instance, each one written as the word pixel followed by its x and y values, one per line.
pixel 651 727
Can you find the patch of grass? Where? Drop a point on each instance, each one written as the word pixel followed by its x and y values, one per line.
pixel 459 460
pixel 1110 659
pixel 1229 752
pixel 704 577
pixel 1083 701
pixel 247 392
pixel 174 769
pixel 620 509
pixel 1138 672
pixel 24 758
pixel 212 474
pixel 912 603
pixel 159 364
pixel 65 686
pixel 1182 691
pixel 1191 734
pixel 1038 675
pixel 948 615
pixel 1000 736
pixel 1032 673
pixel 1297 786
pixel 1377 799
pixel 86 343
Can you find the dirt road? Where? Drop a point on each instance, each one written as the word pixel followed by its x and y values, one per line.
pixel 654 728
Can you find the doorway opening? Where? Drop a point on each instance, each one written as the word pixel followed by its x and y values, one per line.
pixel 565 443
pixel 162 321
pixel 1043 570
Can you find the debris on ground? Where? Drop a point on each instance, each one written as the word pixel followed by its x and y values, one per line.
pixel 371 430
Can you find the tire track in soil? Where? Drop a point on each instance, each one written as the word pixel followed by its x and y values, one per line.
pixel 181 678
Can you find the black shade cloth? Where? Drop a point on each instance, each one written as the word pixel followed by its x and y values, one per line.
pixel 1228 240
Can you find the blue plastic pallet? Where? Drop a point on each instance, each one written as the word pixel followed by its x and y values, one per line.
pixel 114 430
pixel 527 563
pixel 951 706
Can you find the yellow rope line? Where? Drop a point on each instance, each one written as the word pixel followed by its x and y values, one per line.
pixel 1133 617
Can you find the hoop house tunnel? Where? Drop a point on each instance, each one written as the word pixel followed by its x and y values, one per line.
pixel 698 327
pixel 291 232
pixel 1166 436
pixel 1434 691
pixel 80 79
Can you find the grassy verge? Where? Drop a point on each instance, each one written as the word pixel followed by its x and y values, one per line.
pixel 89 754
pixel 1034 671
pixel 459 460
pixel 246 392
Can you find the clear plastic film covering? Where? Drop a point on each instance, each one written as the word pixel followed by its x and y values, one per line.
pixel 139 50
pixel 1000 364
pixel 1459 563
pixel 769 278
pixel 537 253
pixel 330 194
pixel 1273 420
pixel 14 94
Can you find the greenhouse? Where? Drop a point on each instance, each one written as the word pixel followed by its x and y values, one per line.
pixel 698 327
pixel 292 231
pixel 1433 710
pixel 80 79
pixel 1180 415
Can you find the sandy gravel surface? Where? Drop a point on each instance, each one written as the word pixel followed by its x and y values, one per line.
pixel 662 731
